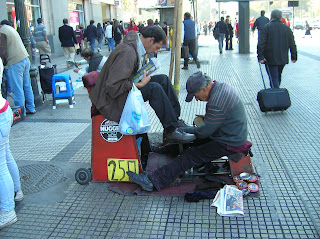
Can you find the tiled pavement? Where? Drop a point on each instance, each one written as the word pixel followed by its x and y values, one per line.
pixel 52 144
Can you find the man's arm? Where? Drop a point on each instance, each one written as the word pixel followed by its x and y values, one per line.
pixel 262 44
pixel 292 47
pixel 45 34
pixel 120 73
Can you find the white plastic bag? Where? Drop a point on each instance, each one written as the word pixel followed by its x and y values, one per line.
pixel 134 119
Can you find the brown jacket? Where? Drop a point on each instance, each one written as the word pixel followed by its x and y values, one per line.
pixel 115 79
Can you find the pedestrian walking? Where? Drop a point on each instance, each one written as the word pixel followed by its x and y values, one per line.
pixel 260 22
pixel 79 35
pixel 117 35
pixel 230 35
pixel 275 40
pixel 10 186
pixel 223 32
pixel 91 34
pixel 308 30
pixel 205 28
pixel 109 36
pixel 68 40
pixel 190 40
pixel 40 36
pixel 18 70
pixel 100 35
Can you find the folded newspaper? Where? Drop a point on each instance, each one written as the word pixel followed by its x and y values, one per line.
pixel 229 202
pixel 150 67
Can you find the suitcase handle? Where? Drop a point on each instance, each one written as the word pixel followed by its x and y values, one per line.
pixel 269 74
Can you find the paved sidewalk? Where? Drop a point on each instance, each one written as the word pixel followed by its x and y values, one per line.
pixel 52 144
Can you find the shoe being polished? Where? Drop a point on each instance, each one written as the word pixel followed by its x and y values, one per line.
pixel 142 180
pixel 179 135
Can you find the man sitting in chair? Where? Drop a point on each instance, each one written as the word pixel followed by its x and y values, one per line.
pixel 116 80
pixel 224 132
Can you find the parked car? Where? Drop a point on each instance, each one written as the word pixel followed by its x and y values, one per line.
pixel 315 24
pixel 299 25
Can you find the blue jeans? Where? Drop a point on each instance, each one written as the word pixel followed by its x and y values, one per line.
pixel 274 74
pixel 111 43
pixel 9 172
pixel 20 83
pixel 100 42
pixel 92 43
pixel 220 40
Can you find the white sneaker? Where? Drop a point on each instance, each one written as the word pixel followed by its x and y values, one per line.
pixel 19 196
pixel 7 218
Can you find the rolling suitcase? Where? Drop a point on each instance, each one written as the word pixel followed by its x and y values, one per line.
pixel 46 71
pixel 273 99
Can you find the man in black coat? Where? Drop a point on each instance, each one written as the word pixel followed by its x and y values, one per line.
pixel 223 30
pixel 275 40
pixel 91 34
pixel 67 39
pixel 260 22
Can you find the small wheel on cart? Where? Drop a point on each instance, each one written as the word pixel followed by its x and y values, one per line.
pixel 83 176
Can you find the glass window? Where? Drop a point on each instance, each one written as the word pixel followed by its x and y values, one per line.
pixel 32 10
pixel 76 15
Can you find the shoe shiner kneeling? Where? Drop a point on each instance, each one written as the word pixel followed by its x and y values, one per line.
pixel 224 131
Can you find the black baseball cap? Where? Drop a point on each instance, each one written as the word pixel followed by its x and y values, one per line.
pixel 194 84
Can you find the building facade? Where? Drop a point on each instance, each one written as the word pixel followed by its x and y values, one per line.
pixel 54 11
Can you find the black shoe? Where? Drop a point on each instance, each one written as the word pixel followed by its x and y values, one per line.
pixel 185 68
pixel 179 136
pixel 30 113
pixel 198 64
pixel 142 180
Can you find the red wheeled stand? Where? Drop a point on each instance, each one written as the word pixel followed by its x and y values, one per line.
pixel 112 154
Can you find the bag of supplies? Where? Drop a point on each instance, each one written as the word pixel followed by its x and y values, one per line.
pixel 134 119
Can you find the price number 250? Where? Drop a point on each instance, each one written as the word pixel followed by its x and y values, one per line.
pixel 118 168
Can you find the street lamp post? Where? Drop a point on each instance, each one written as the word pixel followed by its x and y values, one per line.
pixel 23 30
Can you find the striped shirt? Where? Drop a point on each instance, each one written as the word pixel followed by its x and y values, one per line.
pixel 39 33
pixel 225 119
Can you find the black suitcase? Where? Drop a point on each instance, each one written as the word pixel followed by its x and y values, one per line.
pixel 273 99
pixel 184 52
pixel 46 71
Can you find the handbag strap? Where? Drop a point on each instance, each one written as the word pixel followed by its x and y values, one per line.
pixel 269 74
pixel 262 76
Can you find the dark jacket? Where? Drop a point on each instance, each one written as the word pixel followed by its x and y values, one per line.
pixel 100 33
pixel 189 30
pixel 67 36
pixel 275 40
pixel 223 27
pixel 91 32
pixel 117 35
pixel 230 30
pixel 115 79
pixel 94 62
pixel 260 22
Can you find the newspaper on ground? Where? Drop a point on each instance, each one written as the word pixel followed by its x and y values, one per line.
pixel 229 201
pixel 150 68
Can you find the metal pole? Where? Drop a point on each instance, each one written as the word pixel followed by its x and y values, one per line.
pixel 176 85
pixel 174 39
pixel 23 30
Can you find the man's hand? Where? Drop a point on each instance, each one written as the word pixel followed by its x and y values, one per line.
pixel 294 61
pixel 76 70
pixel 145 80
pixel 263 61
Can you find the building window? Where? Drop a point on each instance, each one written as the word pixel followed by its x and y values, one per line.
pixel 76 15
pixel 32 10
